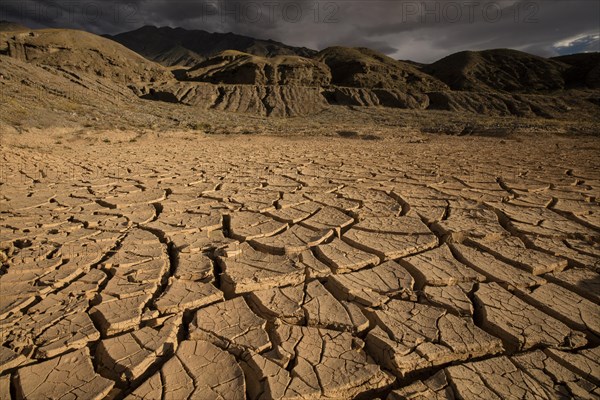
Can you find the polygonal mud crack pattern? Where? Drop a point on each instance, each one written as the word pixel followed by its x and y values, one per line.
pixel 410 337
pixel 234 273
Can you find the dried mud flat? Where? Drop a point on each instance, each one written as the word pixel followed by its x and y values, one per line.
pixel 270 268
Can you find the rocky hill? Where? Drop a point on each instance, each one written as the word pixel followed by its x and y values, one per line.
pixel 366 68
pixel 34 96
pixel 499 70
pixel 364 77
pixel 80 52
pixel 233 67
pixel 584 69
pixel 178 46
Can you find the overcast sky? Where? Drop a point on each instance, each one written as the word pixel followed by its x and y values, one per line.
pixel 422 30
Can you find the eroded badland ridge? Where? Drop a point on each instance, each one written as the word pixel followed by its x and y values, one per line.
pixel 86 80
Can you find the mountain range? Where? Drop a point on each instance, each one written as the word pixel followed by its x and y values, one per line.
pixel 237 73
pixel 180 47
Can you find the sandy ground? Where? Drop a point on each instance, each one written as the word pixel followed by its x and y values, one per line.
pixel 180 265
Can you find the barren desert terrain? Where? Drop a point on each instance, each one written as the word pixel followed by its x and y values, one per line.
pixel 193 266
pixel 230 218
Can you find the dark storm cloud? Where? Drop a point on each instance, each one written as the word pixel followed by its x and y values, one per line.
pixel 423 30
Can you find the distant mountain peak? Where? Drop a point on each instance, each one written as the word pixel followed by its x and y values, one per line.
pixel 178 46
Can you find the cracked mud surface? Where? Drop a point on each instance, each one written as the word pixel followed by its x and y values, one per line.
pixel 272 268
